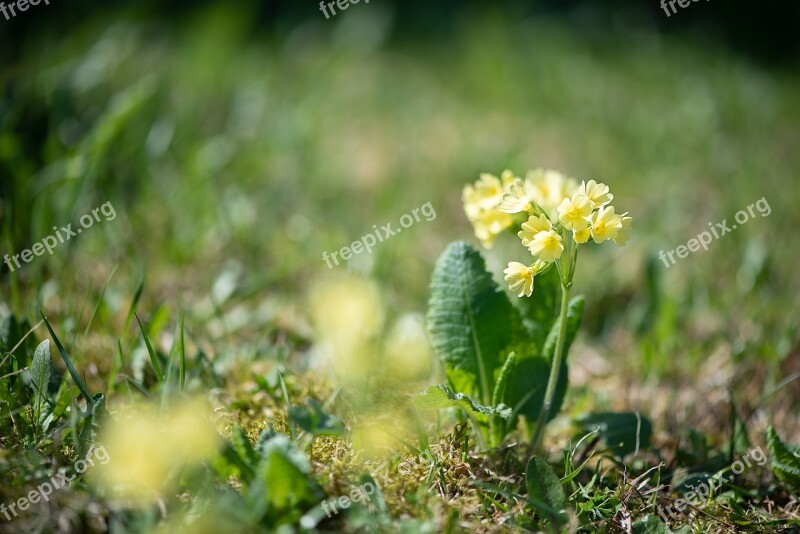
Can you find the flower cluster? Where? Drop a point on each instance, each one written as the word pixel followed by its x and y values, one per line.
pixel 559 212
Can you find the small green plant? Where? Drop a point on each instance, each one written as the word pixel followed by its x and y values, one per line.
pixel 505 361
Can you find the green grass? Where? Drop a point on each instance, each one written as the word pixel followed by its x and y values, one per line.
pixel 232 164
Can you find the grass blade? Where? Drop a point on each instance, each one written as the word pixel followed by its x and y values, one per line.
pixel 136 296
pixel 99 301
pixel 150 351
pixel 68 362
pixel 182 361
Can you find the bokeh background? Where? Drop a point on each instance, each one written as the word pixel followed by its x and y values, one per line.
pixel 239 140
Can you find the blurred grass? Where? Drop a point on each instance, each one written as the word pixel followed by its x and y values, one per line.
pixel 234 161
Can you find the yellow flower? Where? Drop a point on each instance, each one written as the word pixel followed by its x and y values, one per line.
pixel 533 226
pixel 516 199
pixel 547 246
pixel 597 193
pixel 508 178
pixel 485 194
pixel 574 212
pixel 548 188
pixel 520 277
pixel 489 225
pixel 581 236
pixel 622 235
pixel 146 445
pixel 605 224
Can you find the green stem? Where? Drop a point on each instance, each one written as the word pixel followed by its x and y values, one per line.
pixel 555 370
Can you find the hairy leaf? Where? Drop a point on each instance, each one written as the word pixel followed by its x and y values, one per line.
pixel 40 369
pixel 785 460
pixel 470 319
pixel 441 396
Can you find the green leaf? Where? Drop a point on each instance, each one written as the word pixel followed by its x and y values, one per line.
pixel 282 482
pixel 574 317
pixel 526 386
pixel 502 379
pixel 539 311
pixel 785 460
pixel 441 396
pixel 497 427
pixel 545 491
pixel 242 445
pixel 650 525
pixel 470 319
pixel 623 433
pixel 40 370
pixel 313 419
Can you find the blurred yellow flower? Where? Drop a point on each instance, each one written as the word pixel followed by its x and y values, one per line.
pixel 548 188
pixel 347 315
pixel 408 351
pixel 485 194
pixel 507 178
pixel 382 434
pixel 597 193
pixel 147 445
pixel 573 212
pixel 547 246
pixel 481 205
pixel 516 200
pixel 605 224
pixel 622 235
pixel 490 224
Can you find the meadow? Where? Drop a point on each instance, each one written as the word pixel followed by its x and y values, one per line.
pixel 238 381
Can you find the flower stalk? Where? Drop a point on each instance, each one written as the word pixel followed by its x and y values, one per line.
pixel 558 355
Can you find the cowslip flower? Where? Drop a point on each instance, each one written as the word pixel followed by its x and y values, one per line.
pixel 533 226
pixel 489 225
pixel 519 277
pixel 562 214
pixel 516 200
pixel 622 234
pixel 485 194
pixel 547 246
pixel 574 212
pixel 582 236
pixel 605 224
pixel 507 178
pixel 597 193
pixel 548 188
pixel 480 205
